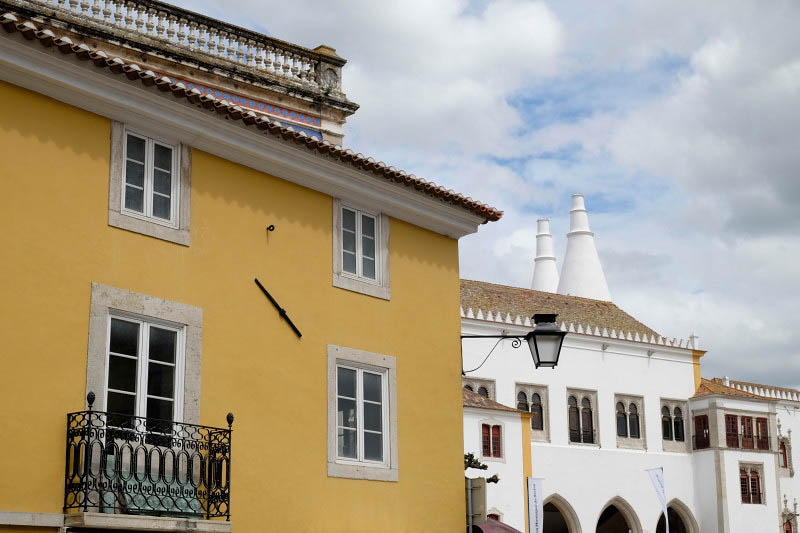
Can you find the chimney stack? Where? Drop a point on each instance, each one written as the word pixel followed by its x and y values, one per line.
pixel 545 274
pixel 582 274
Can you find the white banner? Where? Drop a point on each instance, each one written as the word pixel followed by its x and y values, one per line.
pixel 657 477
pixel 535 505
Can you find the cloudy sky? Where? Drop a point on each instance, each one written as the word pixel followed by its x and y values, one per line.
pixel 679 121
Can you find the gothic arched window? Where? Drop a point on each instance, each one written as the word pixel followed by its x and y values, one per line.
pixel 587 422
pixel 537 418
pixel 622 421
pixel 633 421
pixel 574 420
pixel 522 401
pixel 678 424
pixel 666 424
pixel 784 460
pixel 469 388
pixel 483 391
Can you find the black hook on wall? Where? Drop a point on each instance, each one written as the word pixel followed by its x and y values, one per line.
pixel 271 227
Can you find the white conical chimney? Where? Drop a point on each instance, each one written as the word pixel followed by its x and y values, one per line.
pixel 545 274
pixel 582 274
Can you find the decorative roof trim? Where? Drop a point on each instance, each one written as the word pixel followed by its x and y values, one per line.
pixel 572 327
pixel 758 389
pixel 270 127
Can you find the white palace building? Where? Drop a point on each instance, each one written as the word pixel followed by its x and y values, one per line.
pixel 623 399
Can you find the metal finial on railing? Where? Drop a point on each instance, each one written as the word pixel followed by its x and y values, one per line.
pixel 230 420
pixel 90 399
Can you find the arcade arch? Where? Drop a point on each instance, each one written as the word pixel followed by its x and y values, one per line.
pixel 618 516
pixel 559 516
pixel 681 519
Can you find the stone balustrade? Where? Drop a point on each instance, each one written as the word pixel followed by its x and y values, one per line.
pixel 203 37
pixel 767 391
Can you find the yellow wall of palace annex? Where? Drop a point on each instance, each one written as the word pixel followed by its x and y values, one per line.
pixel 55 241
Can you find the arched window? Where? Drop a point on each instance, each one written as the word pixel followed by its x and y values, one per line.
pixel 469 388
pixel 493 516
pixel 587 422
pixel 622 421
pixel 744 485
pixel 522 401
pixel 784 460
pixel 787 527
pixel 574 420
pixel 678 424
pixel 666 424
pixel 483 391
pixel 633 421
pixel 497 443
pixel 755 487
pixel 537 418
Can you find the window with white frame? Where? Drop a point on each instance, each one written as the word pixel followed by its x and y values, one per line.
pixel 149 184
pixel 150 178
pixel 491 440
pixel 362 415
pixel 629 418
pixel 361 250
pixel 534 399
pixel 144 368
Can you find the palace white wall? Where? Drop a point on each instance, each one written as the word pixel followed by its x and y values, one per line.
pixel 507 496
pixel 589 476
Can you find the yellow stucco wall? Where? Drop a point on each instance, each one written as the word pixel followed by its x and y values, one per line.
pixel 696 355
pixel 56 241
pixel 527 465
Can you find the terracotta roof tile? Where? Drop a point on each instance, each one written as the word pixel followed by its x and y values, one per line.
pixel 708 387
pixel 11 23
pixel 526 302
pixel 473 399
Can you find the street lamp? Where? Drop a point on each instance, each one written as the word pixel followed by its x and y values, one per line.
pixel 544 341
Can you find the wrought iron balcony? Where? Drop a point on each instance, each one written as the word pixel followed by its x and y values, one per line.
pixel 117 463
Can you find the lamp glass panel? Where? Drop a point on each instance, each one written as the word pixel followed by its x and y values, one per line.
pixel 547 348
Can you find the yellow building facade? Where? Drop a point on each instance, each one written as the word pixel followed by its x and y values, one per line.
pixel 88 254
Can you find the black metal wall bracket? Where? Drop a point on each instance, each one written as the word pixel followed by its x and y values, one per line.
pixel 281 310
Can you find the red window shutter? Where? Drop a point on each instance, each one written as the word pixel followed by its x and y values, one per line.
pixel 701 432
pixel 744 483
pixel 496 442
pixel 731 431
pixel 762 434
pixel 787 527
pixel 487 450
pixel 783 459
pixel 747 432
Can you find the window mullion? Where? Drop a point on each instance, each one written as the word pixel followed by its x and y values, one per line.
pixel 359 260
pixel 148 178
pixel 360 413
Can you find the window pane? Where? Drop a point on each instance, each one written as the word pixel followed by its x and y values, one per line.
pixel 120 403
pixel 368 270
pixel 134 199
pixel 346 413
pixel 373 446
pixel 349 242
pixel 161 206
pixel 162 157
pixel 161 409
pixel 372 417
pixel 349 262
pixel 134 173
pixel 349 220
pixel 367 226
pixel 161 380
pixel 346 445
pixel 135 148
pixel 124 337
pixel 372 387
pixel 346 382
pixel 162 182
pixel 162 344
pixel 368 247
pixel 122 373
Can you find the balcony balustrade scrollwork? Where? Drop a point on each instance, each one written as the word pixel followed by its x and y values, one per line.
pixel 118 463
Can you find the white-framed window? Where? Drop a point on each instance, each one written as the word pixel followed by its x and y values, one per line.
pixel 629 421
pixel 144 370
pixel 360 249
pixel 362 415
pixel 534 399
pixel 150 177
pixel 149 184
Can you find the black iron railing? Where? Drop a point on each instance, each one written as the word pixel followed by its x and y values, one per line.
pixel 118 463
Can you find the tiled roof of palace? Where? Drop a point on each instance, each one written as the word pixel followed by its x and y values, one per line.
pixel 710 387
pixel 134 73
pixel 516 301
pixel 473 399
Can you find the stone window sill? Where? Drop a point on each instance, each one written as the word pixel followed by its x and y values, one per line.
pixel 106 521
